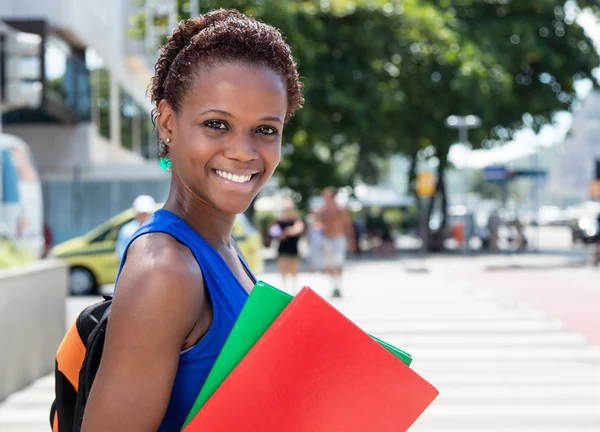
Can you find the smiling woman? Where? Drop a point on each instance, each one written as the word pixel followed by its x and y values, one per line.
pixel 224 87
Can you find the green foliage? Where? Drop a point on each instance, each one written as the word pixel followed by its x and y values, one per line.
pixel 490 191
pixel 538 49
pixel 382 76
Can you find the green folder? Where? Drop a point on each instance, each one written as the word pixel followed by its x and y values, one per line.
pixel 263 306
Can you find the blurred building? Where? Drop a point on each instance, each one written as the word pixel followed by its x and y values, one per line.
pixel 91 134
pixel 574 169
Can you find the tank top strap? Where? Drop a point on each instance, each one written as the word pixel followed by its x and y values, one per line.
pixel 214 269
pixel 153 224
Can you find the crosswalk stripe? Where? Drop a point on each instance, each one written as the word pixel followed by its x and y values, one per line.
pixel 499 366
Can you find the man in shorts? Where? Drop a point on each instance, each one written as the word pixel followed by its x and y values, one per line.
pixel 338 237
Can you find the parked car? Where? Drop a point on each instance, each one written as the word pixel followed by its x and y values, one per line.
pixel 551 216
pixel 585 230
pixel 93 263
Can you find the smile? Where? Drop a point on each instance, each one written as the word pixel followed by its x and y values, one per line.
pixel 234 177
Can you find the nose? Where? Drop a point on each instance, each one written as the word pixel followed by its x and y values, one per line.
pixel 242 148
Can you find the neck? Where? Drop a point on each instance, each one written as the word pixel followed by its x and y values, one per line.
pixel 212 224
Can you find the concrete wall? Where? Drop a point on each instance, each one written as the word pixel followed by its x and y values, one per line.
pixel 61 148
pixel 32 322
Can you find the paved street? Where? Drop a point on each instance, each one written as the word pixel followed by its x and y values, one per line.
pixel 481 330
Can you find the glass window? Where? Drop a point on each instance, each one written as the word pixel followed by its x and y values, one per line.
pixel 129 126
pixel 100 92
pixel 67 83
pixel 109 235
pixel 83 91
pixel 56 69
pixel 136 128
pixel 149 149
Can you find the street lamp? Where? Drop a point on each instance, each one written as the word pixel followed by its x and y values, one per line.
pixel 463 124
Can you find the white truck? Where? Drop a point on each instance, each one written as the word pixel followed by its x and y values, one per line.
pixel 21 203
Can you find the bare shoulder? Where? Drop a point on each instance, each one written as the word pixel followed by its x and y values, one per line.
pixel 156 305
pixel 161 252
pixel 162 275
pixel 341 210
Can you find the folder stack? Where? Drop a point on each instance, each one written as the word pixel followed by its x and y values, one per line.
pixel 296 364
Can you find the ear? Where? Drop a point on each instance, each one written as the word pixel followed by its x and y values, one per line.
pixel 165 121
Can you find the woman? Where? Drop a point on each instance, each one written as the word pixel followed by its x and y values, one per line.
pixel 288 228
pixel 223 88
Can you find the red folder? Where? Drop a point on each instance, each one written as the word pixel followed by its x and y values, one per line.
pixel 314 370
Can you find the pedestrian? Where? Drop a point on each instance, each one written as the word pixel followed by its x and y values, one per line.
pixel 338 237
pixel 144 206
pixel 387 247
pixel 315 242
pixel 224 86
pixel 48 240
pixel 520 237
pixel 493 226
pixel 288 228
pixel 596 259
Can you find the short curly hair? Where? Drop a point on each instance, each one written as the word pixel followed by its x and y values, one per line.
pixel 217 36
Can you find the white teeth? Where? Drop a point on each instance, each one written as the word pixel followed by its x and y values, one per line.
pixel 233 177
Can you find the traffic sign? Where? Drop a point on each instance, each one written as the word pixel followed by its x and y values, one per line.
pixel 426 183
pixel 528 173
pixel 495 174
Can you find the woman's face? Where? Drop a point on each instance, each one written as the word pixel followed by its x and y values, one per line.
pixel 226 137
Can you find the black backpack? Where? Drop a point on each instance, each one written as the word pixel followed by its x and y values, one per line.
pixel 77 361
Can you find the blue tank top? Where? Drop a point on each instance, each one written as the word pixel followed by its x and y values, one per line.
pixel 227 296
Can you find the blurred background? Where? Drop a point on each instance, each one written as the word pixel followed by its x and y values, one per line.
pixel 462 135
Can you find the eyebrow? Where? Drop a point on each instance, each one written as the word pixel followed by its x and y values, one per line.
pixel 228 114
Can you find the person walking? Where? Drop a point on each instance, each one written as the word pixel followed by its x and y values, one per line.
pixel 493 227
pixel 288 228
pixel 596 258
pixel 338 237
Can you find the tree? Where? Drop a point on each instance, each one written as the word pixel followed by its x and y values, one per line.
pixel 382 76
pixel 367 70
pixel 535 52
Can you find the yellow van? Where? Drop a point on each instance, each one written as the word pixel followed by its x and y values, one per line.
pixel 93 263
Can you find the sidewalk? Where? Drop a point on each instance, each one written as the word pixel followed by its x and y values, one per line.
pixel 499 365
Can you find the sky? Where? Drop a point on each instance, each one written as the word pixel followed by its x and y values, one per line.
pixel 526 141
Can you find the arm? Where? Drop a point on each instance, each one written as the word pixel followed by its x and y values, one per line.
pixel 150 319
pixel 296 229
pixel 349 230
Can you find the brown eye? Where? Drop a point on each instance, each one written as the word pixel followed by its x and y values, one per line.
pixel 215 124
pixel 266 130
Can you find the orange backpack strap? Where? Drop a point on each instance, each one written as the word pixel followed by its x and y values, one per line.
pixel 70 355
pixel 77 360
